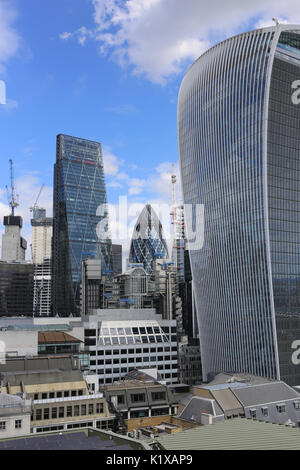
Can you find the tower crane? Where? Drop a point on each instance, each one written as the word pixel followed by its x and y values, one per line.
pixel 33 208
pixel 12 197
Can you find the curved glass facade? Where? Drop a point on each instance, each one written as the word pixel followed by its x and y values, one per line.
pixel 148 242
pixel 235 142
pixel 79 192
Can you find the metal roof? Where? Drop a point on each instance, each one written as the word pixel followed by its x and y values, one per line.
pixel 199 405
pixel 234 434
pixel 56 337
pixel 265 393
pixel 228 401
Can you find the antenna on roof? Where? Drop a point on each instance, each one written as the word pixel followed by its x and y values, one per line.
pixel 276 21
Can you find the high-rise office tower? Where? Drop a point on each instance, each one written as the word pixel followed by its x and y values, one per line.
pixel 117 259
pixel 80 219
pixel 13 244
pixel 239 142
pixel 148 242
pixel 16 288
pixel 42 228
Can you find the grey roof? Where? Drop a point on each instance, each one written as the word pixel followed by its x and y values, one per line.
pixel 10 400
pixel 44 377
pixel 183 398
pixel 228 402
pixel 265 393
pixel 234 434
pixel 70 441
pixel 224 377
pixel 199 405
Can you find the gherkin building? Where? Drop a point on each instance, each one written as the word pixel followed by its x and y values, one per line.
pixel 148 242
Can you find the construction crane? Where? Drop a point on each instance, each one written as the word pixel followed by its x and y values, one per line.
pixel 12 197
pixel 34 207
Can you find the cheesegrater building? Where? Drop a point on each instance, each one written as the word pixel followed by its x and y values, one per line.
pixel 80 229
pixel 239 144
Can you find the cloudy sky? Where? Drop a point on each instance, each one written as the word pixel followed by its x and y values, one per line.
pixel 106 70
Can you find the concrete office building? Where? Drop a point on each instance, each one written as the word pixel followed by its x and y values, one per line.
pixel 239 143
pixel 15 413
pixel 42 228
pixel 13 244
pixel 122 340
pixel 16 288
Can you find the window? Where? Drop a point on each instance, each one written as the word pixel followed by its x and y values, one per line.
pixel 121 399
pixel 89 332
pixel 46 413
pixel 69 410
pixel 281 408
pixel 38 415
pixel 2 425
pixel 44 396
pixel 253 413
pixel 83 410
pixel 61 412
pixel 18 424
pixel 91 409
pixel 54 413
pixel 265 411
pixel 297 405
pixel 158 396
pixel 58 394
pixel 51 395
pixel 36 396
pixel 137 397
pixel 99 408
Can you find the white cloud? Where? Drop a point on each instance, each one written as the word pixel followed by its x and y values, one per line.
pixel 9 38
pixel 111 162
pixel 159 37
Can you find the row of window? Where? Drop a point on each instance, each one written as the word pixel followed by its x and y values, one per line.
pixel 115 352
pixel 124 370
pixel 52 395
pixel 130 331
pixel 68 411
pixel 18 424
pixel 133 359
pixel 280 409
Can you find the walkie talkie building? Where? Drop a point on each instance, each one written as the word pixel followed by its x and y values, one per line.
pixel 239 143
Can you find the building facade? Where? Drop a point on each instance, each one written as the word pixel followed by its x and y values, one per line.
pixel 117 259
pixel 120 341
pixel 16 288
pixel 42 228
pixel 80 219
pixel 239 141
pixel 13 244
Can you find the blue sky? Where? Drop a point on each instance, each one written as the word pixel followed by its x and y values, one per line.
pixel 110 71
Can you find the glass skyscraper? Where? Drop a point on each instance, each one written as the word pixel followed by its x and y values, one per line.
pixel 239 143
pixel 148 242
pixel 80 219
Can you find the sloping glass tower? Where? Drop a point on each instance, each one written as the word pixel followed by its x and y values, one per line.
pixel 239 143
pixel 80 218
pixel 148 242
